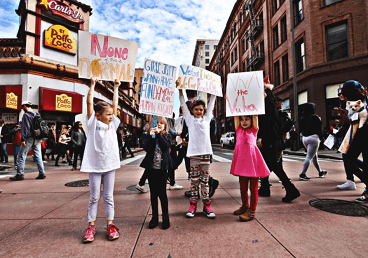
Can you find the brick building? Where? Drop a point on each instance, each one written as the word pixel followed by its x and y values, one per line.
pixel 330 47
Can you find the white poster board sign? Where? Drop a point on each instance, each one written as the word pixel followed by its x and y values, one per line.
pixel 244 94
pixel 105 57
pixel 196 78
pixel 157 91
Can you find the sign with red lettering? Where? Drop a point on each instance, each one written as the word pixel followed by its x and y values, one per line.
pixel 11 100
pixel 63 103
pixel 60 38
pixel 244 94
pixel 106 58
pixel 62 9
pixel 157 90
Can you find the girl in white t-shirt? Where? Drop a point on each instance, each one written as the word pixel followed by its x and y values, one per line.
pixel 199 150
pixel 101 158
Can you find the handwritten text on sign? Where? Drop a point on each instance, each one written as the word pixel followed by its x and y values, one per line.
pixel 244 94
pixel 157 91
pixel 106 58
pixel 195 78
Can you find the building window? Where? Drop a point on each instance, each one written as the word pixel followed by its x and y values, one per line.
pixel 274 6
pixel 328 2
pixel 235 29
pixel 244 67
pixel 207 47
pixel 243 46
pixel 236 53
pixel 232 58
pixel 283 29
pixel 285 68
pixel 214 47
pixel 298 11
pixel 241 18
pixel 207 53
pixel 260 18
pixel 276 37
pixel 261 49
pixel 300 55
pixel 207 61
pixel 277 73
pixel 337 41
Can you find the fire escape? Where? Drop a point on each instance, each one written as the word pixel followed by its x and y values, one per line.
pixel 256 26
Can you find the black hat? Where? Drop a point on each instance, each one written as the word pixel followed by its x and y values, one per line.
pixel 352 85
pixel 279 99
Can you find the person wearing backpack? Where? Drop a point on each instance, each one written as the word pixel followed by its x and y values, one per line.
pixel 28 141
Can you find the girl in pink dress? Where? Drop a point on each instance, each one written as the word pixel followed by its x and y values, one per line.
pixel 248 164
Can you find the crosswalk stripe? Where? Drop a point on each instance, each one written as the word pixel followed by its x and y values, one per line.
pixel 220 159
pixel 130 160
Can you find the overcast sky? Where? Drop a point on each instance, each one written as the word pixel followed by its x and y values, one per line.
pixel 166 30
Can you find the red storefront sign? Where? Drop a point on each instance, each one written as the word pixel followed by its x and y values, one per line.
pixel 58 100
pixel 11 97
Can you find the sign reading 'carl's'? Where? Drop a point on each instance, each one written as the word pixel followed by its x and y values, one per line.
pixel 59 37
pixel 62 9
pixel 63 103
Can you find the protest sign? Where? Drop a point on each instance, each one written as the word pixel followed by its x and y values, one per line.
pixel 244 94
pixel 105 57
pixel 195 78
pixel 157 90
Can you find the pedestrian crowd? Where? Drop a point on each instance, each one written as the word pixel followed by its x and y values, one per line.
pixel 167 142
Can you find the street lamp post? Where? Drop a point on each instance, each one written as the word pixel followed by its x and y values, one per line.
pixel 295 86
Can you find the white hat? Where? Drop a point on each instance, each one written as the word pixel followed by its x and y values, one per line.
pixel 26 103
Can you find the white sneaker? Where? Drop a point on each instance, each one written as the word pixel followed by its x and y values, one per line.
pixel 175 187
pixel 141 188
pixel 348 185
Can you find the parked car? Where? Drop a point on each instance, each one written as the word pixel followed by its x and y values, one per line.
pixel 228 139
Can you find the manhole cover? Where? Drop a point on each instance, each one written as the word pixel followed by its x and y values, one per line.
pixel 133 189
pixel 340 207
pixel 80 183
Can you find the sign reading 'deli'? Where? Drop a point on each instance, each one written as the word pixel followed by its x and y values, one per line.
pixel 106 58
pixel 60 38
pixel 244 94
pixel 62 9
pixel 11 100
pixel 63 103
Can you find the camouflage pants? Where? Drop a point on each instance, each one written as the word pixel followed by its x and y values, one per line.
pixel 199 166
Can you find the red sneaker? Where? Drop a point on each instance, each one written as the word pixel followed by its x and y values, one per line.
pixel 90 234
pixel 112 232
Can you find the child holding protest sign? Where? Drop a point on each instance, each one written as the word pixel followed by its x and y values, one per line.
pixel 157 162
pixel 248 164
pixel 101 158
pixel 199 150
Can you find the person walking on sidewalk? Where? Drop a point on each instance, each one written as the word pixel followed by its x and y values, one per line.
pixel 156 163
pixel 248 164
pixel 270 137
pixel 311 128
pixel 16 142
pixel 63 143
pixel 101 159
pixel 79 142
pixel 199 151
pixel 127 137
pixel 28 142
pixel 4 139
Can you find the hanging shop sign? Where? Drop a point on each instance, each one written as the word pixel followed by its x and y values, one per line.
pixel 11 96
pixel 11 100
pixel 56 100
pixel 62 9
pixel 60 38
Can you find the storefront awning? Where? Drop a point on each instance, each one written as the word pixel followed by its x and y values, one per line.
pixel 61 101
pixel 11 97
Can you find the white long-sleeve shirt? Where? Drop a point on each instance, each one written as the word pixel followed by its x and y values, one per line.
pixel 199 129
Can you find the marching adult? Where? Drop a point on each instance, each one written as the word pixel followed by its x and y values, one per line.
pixel 270 143
pixel 79 142
pixel 311 128
pixel 28 142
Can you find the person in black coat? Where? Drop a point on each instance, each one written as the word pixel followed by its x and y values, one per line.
pixel 270 143
pixel 157 162
pixel 4 139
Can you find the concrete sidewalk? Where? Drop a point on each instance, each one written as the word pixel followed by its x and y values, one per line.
pixel 44 218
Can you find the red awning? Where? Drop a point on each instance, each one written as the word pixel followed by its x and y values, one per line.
pixel 11 97
pixel 61 101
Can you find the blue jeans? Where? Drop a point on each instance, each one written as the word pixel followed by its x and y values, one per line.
pixel 35 144
pixel 16 149
pixel 4 152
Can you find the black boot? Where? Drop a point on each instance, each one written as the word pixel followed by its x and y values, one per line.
pixel 165 221
pixel 291 193
pixel 264 191
pixel 154 222
pixel 213 184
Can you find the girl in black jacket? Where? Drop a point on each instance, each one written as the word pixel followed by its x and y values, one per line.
pixel 157 162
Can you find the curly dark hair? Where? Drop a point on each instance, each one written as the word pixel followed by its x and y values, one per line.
pixel 100 106
pixel 198 103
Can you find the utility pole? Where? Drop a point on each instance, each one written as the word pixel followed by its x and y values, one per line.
pixel 295 86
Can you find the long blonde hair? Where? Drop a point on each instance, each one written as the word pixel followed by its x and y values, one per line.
pixel 161 120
